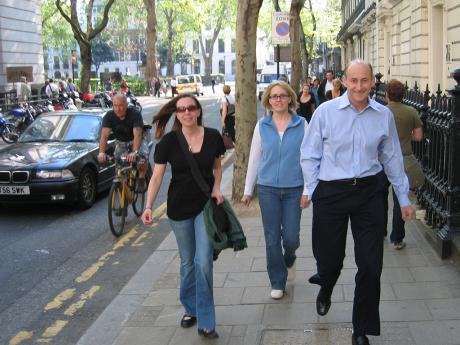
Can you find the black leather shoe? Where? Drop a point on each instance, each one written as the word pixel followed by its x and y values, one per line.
pixel 359 340
pixel 187 321
pixel 208 333
pixel 315 279
pixel 323 302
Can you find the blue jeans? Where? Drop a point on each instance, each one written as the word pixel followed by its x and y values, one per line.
pixel 196 285
pixel 280 208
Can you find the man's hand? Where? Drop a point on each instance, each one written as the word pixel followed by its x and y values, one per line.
pixel 132 156
pixel 102 157
pixel 147 216
pixel 304 202
pixel 407 212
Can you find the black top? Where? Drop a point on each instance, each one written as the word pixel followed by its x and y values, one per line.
pixel 304 109
pixel 123 129
pixel 185 198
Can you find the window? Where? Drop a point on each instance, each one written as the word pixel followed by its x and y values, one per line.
pixel 233 45
pixel 117 70
pixel 57 74
pixel 196 46
pixel 233 67
pixel 197 67
pixel 222 66
pixel 57 65
pixel 221 45
pixel 106 70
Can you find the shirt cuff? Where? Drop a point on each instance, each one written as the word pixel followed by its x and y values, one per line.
pixel 403 200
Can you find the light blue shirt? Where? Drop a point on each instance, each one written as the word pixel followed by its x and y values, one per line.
pixel 342 143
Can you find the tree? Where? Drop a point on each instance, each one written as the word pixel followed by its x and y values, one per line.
pixel 84 38
pixel 151 40
pixel 246 110
pixel 294 35
pixel 101 52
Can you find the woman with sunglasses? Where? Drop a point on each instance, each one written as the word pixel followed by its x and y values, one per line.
pixel 274 164
pixel 186 201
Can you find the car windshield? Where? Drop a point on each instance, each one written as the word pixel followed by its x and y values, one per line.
pixel 267 78
pixel 63 128
pixel 184 80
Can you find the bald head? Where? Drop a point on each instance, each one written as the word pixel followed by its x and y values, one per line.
pixel 358 62
pixel 120 104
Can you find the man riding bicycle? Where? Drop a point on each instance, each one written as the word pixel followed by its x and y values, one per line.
pixel 127 126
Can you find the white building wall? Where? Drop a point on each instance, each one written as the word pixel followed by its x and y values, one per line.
pixel 20 38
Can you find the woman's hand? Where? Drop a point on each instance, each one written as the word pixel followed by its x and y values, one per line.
pixel 304 202
pixel 246 200
pixel 147 217
pixel 216 194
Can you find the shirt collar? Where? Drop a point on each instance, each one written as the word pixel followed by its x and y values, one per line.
pixel 345 102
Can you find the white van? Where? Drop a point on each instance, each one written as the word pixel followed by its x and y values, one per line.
pixel 189 84
pixel 268 75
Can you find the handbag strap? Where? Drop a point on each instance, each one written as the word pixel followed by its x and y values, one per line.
pixel 192 163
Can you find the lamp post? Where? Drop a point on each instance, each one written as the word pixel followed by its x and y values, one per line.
pixel 74 62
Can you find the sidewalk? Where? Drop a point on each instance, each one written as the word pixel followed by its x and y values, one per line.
pixel 420 298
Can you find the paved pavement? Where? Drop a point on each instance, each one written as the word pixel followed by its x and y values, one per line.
pixel 420 300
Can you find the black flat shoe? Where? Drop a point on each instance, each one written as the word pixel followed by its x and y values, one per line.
pixel 315 279
pixel 187 321
pixel 208 333
pixel 323 302
pixel 359 340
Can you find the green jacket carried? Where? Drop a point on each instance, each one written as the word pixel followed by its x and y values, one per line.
pixel 233 237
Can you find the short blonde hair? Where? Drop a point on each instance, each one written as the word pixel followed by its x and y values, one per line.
pixel 336 82
pixel 226 89
pixel 285 86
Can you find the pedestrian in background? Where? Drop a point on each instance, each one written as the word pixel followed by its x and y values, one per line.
pixel 173 87
pixel 157 87
pixel 409 127
pixel 325 86
pixel 306 103
pixel 274 164
pixel 343 178
pixel 213 84
pixel 164 87
pixel 314 91
pixel 336 90
pixel 23 91
pixel 186 201
pixel 227 109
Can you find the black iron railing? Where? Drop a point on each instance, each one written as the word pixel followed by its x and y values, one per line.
pixel 439 154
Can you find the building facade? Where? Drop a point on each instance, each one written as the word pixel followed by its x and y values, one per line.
pixel 21 50
pixel 410 40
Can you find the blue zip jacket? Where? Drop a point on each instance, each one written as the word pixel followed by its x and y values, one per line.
pixel 280 160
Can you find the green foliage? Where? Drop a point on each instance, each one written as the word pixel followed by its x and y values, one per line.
pixel 101 52
pixel 56 32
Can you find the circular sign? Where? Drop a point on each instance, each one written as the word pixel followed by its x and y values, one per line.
pixel 282 28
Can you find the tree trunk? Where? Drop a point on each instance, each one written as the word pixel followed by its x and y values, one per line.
pixel 246 106
pixel 294 35
pixel 207 57
pixel 86 59
pixel 151 35
pixel 169 57
pixel 303 52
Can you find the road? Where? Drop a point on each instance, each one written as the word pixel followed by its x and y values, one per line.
pixel 60 267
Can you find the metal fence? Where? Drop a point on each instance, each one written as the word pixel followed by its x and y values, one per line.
pixel 439 155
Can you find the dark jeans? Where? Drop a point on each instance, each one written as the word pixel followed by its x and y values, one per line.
pixel 230 126
pixel 334 205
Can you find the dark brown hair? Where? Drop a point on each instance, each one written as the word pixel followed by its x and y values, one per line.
pixel 395 90
pixel 164 114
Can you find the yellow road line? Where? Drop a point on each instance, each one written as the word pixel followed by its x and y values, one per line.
pixel 60 299
pixel 139 242
pixel 84 297
pixel 20 337
pixel 52 331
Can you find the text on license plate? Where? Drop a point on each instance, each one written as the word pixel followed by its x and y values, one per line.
pixel 14 190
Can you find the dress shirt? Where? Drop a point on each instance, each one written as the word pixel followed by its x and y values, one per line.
pixel 342 143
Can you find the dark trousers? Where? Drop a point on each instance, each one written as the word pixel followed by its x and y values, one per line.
pixel 230 126
pixel 334 205
pixel 398 231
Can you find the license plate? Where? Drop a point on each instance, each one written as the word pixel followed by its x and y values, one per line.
pixel 14 190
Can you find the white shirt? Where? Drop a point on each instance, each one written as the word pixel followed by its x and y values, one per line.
pixel 328 86
pixel 173 82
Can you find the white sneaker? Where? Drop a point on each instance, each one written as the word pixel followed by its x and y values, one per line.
pixel 277 294
pixel 291 273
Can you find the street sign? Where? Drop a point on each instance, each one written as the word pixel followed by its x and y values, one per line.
pixel 284 54
pixel 280 28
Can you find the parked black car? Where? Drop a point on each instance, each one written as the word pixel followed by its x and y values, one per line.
pixel 55 161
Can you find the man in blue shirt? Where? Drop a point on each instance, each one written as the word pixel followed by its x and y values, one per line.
pixel 345 145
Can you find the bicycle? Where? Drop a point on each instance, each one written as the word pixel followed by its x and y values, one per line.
pixel 122 194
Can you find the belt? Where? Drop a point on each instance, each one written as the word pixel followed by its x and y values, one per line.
pixel 357 181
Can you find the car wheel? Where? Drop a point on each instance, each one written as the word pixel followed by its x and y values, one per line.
pixel 86 188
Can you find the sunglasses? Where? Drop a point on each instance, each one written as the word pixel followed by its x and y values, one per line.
pixel 190 108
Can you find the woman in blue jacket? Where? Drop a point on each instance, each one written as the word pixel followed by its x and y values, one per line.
pixel 274 165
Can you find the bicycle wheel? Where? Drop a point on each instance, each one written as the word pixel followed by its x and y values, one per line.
pixel 139 198
pixel 117 209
